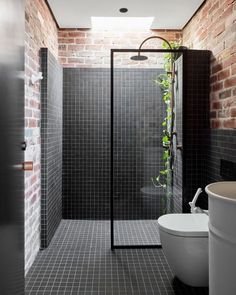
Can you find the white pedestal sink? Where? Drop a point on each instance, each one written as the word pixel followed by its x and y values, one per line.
pixel 222 238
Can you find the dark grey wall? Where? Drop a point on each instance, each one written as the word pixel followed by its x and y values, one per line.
pixel 86 143
pixel 51 146
pixel 138 115
pixel 205 150
pixel 192 126
pixel 196 129
pixel 222 146
pixel 220 159
pixel 138 112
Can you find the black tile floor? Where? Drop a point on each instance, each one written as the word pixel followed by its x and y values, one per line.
pixel 136 232
pixel 79 261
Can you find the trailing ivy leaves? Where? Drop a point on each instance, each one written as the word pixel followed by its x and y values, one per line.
pixel 165 139
pixel 165 83
pixel 164 178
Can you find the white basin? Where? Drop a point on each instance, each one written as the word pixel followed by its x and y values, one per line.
pixel 222 237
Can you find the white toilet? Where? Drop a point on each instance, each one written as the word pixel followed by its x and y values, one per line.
pixel 184 239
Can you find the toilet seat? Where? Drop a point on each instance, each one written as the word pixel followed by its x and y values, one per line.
pixel 185 225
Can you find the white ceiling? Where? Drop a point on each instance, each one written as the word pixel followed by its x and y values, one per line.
pixel 169 14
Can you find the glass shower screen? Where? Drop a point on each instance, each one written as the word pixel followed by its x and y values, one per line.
pixel 138 111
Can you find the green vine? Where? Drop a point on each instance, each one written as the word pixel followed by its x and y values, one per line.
pixel 165 82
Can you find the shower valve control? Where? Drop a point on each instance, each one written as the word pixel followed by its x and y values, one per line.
pixel 179 147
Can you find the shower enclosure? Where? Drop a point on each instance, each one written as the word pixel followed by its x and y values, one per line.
pixel 112 142
pixel 138 111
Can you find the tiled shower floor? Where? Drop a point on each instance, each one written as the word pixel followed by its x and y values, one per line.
pixel 136 232
pixel 79 261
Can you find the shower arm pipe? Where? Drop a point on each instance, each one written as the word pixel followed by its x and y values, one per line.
pixel 155 37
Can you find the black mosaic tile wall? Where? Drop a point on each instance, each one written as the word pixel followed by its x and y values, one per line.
pixel 222 146
pixel 86 142
pixel 204 149
pixel 51 146
pixel 137 150
pixel 138 115
pixel 220 159
pixel 196 129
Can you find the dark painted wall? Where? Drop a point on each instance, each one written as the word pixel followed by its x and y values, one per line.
pixel 51 148
pixel 138 112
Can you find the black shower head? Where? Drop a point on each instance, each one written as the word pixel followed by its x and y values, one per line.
pixel 143 57
pixel 139 57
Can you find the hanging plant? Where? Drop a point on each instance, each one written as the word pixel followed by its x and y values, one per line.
pixel 165 82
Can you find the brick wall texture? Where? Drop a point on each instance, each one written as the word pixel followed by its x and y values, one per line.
pixel 90 48
pixel 214 28
pixel 41 31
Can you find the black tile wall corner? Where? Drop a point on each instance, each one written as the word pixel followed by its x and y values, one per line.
pixel 207 153
pixel 195 124
pixel 51 146
pixel 222 153
pixel 86 142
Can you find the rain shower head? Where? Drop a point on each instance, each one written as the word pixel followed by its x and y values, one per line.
pixel 143 57
pixel 139 57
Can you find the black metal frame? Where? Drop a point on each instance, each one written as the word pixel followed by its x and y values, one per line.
pixel 113 247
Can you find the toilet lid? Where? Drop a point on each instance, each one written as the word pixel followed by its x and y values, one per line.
pixel 185 225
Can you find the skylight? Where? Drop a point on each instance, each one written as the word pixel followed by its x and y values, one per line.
pixel 122 23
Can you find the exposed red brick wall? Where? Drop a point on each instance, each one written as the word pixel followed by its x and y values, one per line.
pixel 41 31
pixel 214 28
pixel 89 48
